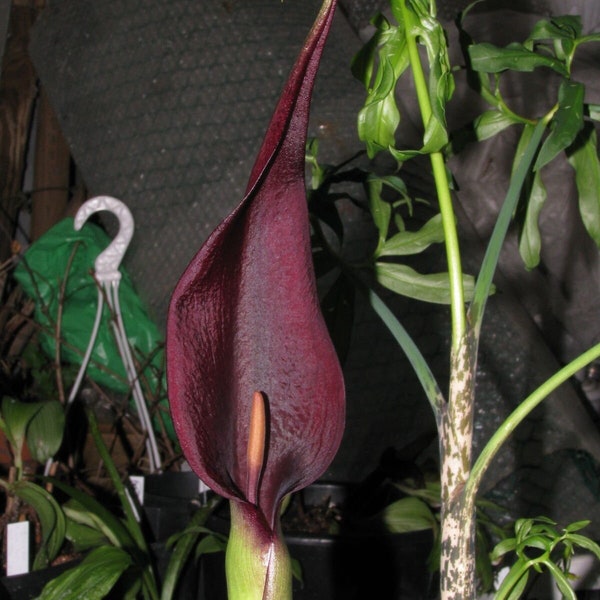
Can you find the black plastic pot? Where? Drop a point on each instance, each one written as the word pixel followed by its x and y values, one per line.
pixel 351 565
pixel 168 501
pixel 168 506
pixel 30 585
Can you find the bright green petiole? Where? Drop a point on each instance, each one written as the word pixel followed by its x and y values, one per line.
pixel 457 304
pixel 257 562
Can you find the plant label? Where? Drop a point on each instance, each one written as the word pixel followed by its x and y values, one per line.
pixel 137 483
pixel 17 548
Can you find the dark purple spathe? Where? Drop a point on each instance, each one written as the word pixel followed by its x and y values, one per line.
pixel 245 317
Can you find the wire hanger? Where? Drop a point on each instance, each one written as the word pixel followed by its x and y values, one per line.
pixel 108 276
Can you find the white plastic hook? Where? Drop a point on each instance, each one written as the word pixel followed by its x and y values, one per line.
pixel 108 262
pixel 108 276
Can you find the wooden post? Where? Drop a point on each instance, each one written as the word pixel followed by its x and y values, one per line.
pixel 50 193
pixel 17 96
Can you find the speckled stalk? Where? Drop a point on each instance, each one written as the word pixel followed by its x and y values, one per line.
pixel 457 562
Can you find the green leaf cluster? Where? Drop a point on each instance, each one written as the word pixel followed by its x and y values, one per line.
pixel 52 520
pixel 120 557
pixel 396 241
pixel 40 425
pixel 379 66
pixel 420 510
pixel 552 44
pixel 538 546
pixel 566 129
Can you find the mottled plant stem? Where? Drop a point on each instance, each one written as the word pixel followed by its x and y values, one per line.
pixel 457 560
pixel 455 419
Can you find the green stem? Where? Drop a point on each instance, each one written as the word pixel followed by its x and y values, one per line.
pixel 520 413
pixel 504 108
pixel 492 254
pixel 457 303
pixel 257 562
pixel 418 362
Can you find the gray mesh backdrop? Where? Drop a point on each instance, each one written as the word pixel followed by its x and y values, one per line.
pixel 164 105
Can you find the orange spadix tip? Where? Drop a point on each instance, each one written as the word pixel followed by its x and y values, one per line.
pixel 256 445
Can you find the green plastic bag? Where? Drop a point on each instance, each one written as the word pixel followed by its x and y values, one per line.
pixel 63 253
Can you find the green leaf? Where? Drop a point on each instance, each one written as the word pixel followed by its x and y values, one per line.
pixel 379 118
pixel 424 27
pixel 363 63
pixel 577 526
pixel 490 123
pixel 84 537
pixel 317 171
pixel 92 579
pixel 431 493
pixel 131 523
pixel 528 144
pixel 412 242
pixel 381 211
pixel 427 287
pixel 51 517
pixel 539 542
pixel 435 140
pixel 435 137
pixel 45 431
pixel 408 514
pixel 414 355
pixel 503 547
pixel 592 37
pixel 183 548
pixel 566 124
pixel 209 545
pixel 586 543
pixel 594 111
pixel 483 565
pixel 530 241
pixel 17 416
pixel 441 81
pixel 89 511
pixel 77 514
pixel 564 27
pixel 174 539
pixel 297 570
pixel 523 528
pixel 395 183
pixel 583 157
pixel 514 583
pixel 436 145
pixel 561 581
pixel 488 58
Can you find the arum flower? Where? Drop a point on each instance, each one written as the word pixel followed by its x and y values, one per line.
pixel 255 387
